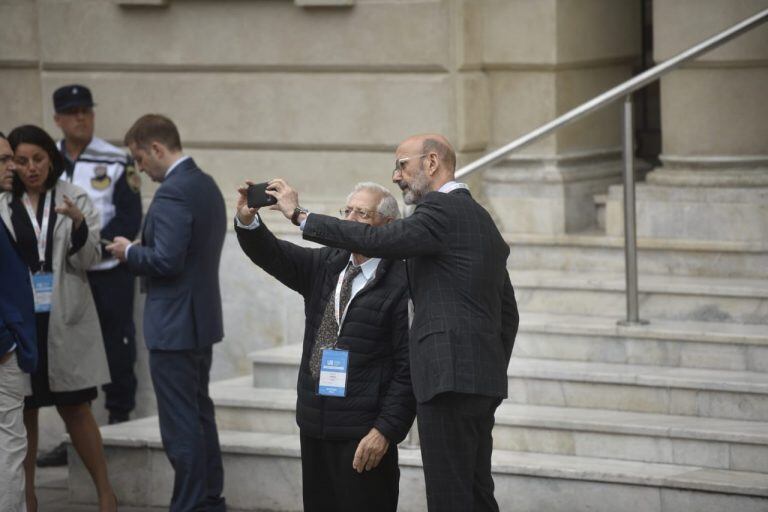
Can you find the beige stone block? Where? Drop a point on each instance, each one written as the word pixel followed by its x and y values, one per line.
pixel 274 110
pixel 19 35
pixel 611 446
pixel 543 392
pixel 701 453
pixel 749 458
pixel 613 27
pixel 238 34
pixel 612 396
pixel 715 112
pixel 520 493
pixel 520 32
pixel 684 402
pixel 473 103
pixel 522 439
pixel 522 101
pixel 599 130
pixel 675 28
pixel 680 500
pixel 468 32
pixel 20 90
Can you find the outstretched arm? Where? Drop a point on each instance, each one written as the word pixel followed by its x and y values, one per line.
pixel 420 234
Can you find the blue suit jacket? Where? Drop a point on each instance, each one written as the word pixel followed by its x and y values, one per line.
pixel 181 248
pixel 17 306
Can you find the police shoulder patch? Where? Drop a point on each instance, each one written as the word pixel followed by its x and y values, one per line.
pixel 133 178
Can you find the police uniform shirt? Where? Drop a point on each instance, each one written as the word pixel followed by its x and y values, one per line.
pixel 107 174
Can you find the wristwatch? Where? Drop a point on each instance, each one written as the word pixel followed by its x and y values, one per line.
pixel 296 212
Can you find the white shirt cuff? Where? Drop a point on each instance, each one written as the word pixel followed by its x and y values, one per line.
pixel 301 225
pixel 253 225
pixel 128 249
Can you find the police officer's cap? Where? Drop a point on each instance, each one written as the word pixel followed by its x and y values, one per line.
pixel 71 96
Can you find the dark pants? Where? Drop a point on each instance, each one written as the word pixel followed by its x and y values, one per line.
pixel 331 485
pixel 188 428
pixel 113 293
pixel 456 445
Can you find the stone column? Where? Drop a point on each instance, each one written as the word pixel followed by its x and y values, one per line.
pixel 713 182
pixel 542 59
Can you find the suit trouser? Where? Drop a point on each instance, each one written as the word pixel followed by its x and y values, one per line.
pixel 113 292
pixel 13 437
pixel 456 445
pixel 331 484
pixel 188 428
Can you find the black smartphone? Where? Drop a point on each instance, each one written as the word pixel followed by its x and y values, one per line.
pixel 257 197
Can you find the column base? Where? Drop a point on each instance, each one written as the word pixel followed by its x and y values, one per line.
pixel 550 194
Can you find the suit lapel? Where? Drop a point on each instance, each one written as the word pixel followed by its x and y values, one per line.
pixel 5 214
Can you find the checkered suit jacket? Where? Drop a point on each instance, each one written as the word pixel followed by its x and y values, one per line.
pixel 466 317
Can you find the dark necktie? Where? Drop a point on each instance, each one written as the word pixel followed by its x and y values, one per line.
pixel 328 332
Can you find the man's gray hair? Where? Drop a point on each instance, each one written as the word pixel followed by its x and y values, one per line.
pixel 388 206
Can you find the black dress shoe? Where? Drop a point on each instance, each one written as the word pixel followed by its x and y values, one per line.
pixel 118 417
pixel 55 457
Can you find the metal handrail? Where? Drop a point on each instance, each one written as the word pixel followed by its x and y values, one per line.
pixel 618 92
pixel 625 91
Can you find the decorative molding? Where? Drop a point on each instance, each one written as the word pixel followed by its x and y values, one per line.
pixel 129 67
pixel 142 3
pixel 325 3
pixel 299 3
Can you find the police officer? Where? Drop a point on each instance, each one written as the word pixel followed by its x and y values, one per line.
pixel 109 177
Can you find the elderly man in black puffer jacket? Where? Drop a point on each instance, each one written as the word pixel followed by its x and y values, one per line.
pixel 349 443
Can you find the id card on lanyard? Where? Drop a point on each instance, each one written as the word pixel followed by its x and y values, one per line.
pixel 333 373
pixel 42 282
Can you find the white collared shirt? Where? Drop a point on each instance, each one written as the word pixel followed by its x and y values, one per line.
pixel 451 186
pixel 174 165
pixel 358 283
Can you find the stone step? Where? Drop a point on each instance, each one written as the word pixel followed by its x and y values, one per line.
pixel 584 252
pixel 653 389
pixel 725 346
pixel 706 442
pixel 661 297
pixel 263 472
pixel 701 392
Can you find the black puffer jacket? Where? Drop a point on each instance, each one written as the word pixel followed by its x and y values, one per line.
pixel 375 331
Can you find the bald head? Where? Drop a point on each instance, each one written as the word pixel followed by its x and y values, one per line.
pixel 439 145
pixel 424 163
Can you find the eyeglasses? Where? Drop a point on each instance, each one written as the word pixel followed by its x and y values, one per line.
pixel 361 214
pixel 400 163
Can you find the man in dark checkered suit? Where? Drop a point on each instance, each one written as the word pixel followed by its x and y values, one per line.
pixel 465 314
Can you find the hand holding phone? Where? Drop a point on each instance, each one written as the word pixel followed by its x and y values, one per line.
pixel 257 197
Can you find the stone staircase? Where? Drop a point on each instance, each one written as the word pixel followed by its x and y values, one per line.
pixel 666 417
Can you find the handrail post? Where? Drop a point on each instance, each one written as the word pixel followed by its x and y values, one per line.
pixel 630 236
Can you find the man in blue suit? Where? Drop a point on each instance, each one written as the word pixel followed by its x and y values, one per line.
pixel 179 255
pixel 18 353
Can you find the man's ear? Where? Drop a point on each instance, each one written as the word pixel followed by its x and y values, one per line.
pixel 57 120
pixel 433 164
pixel 158 150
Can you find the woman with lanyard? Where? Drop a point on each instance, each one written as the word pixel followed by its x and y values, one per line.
pixel 56 230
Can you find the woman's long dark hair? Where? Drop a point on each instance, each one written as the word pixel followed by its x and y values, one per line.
pixel 31 134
